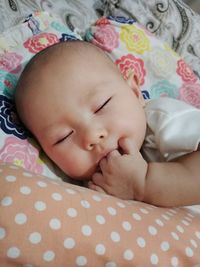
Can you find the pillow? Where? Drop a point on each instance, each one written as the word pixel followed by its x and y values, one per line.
pixel 17 46
pixel 160 71
pixel 52 223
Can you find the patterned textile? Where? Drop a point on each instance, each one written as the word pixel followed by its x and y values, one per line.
pixel 159 70
pixel 171 20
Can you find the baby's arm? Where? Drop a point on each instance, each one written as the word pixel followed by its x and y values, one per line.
pixel 174 183
pixel 164 184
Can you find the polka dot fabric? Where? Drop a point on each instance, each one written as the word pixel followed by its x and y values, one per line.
pixel 51 223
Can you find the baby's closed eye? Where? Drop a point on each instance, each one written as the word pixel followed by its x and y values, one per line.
pixel 103 105
pixel 63 138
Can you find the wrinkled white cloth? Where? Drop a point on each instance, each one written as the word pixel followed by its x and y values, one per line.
pixel 173 129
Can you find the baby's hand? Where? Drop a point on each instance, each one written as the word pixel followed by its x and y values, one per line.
pixel 124 175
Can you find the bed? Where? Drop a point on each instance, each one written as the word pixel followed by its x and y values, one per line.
pixel 45 220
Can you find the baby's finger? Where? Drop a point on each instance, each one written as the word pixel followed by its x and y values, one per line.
pixel 128 146
pixel 95 187
pixel 98 179
pixel 114 153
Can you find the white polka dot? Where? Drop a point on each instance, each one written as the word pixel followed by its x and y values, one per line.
pixel 173 211
pixel 97 198
pixel 165 246
pixel 41 184
pixel 174 262
pixel 194 243
pixel 69 243
pixel 35 238
pixel 121 205
pixel 13 252
pixel 70 191
pixel 127 226
pixel 152 230
pixel 180 228
pixel 189 252
pixel 40 206
pixel 165 217
pixel 144 211
pixel 81 261
pixel 57 196
pixel 141 242
pixel 154 259
pixel 111 264
pixel 86 230
pixel 185 222
pixel 188 219
pixel 170 213
pixel 85 204
pixel 100 219
pixel 136 216
pixel 112 211
pixel 25 190
pixel 27 174
pixel 71 212
pixel 28 265
pixel 100 249
pixel 115 236
pixel 190 215
pixel 2 233
pixel 49 256
pixel 6 201
pixel 21 218
pixel 55 224
pixel 128 255
pixel 175 236
pixel 159 222
pixel 11 178
pixel 197 234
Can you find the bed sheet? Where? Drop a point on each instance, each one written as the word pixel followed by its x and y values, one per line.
pixel 171 20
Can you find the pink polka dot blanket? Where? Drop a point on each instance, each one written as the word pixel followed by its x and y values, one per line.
pixel 160 71
pixel 47 223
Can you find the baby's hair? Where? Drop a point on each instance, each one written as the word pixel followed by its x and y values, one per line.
pixel 49 55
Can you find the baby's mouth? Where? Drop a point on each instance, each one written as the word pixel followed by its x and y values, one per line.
pixel 121 152
pixel 98 168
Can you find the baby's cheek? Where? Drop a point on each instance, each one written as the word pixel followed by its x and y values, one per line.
pixel 76 166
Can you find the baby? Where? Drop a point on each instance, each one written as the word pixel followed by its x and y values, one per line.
pixel 92 124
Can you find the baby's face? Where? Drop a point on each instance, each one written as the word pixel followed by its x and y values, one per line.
pixel 79 118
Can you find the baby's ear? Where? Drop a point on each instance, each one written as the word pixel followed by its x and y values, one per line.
pixel 133 83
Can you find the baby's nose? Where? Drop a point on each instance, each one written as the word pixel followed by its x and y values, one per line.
pixel 93 137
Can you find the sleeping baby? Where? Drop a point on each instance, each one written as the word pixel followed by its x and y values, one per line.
pixel 96 126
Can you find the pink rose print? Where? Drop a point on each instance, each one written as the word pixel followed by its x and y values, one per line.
pixel 40 41
pixel 106 37
pixel 130 63
pixel 190 93
pixel 21 153
pixel 185 72
pixel 10 62
pixel 102 21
